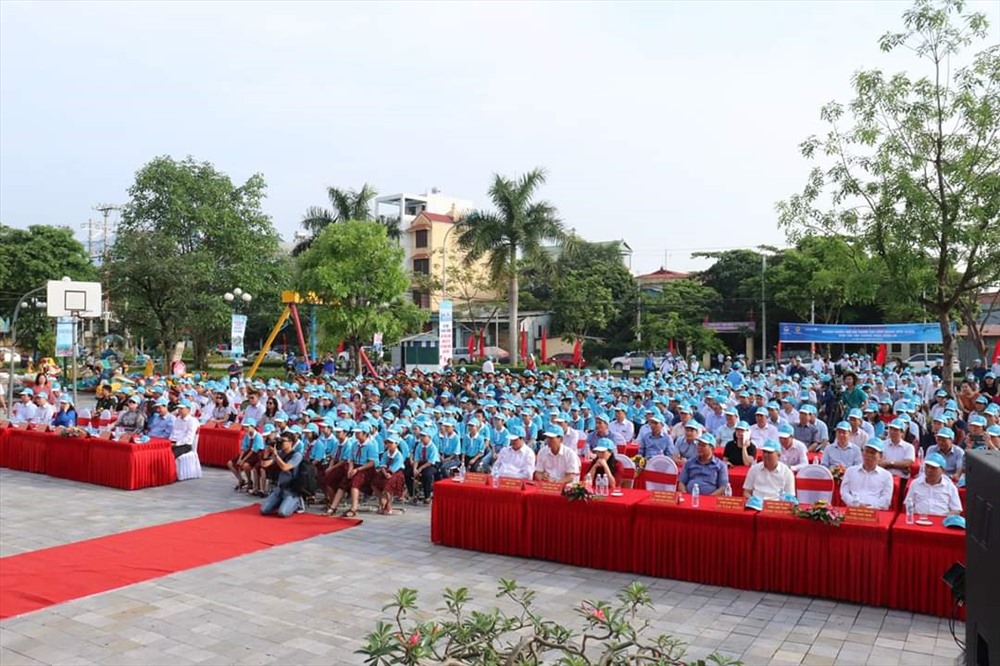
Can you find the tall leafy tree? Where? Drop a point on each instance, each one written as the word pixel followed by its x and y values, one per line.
pixel 188 234
pixel 28 259
pixel 345 204
pixel 912 164
pixel 583 303
pixel 519 226
pixel 676 313
pixel 358 273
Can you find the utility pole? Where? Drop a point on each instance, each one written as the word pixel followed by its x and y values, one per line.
pixel 105 209
pixel 812 320
pixel 763 308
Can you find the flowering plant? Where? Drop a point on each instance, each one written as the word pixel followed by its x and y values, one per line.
pixel 612 633
pixel 821 512
pixel 640 462
pixel 577 491
pixel 72 432
pixel 838 472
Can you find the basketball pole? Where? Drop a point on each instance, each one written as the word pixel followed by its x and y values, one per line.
pixel 13 342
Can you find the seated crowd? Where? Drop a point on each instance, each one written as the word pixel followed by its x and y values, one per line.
pixel 392 437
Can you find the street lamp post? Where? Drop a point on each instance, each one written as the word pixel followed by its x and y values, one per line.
pixel 237 298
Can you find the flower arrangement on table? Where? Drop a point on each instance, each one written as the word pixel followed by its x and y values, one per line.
pixel 821 512
pixel 838 472
pixel 640 463
pixel 73 431
pixel 578 492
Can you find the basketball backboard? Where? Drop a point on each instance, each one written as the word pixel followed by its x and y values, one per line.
pixel 66 298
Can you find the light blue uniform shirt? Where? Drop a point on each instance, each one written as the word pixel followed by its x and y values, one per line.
pixel 393 462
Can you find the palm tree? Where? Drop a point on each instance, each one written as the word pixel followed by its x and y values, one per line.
pixel 519 225
pixel 345 205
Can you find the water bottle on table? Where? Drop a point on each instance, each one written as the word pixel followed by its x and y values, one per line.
pixel 909 510
pixel 728 492
pixel 495 473
pixel 461 472
pixel 695 496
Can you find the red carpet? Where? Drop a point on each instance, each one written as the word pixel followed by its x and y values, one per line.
pixel 41 578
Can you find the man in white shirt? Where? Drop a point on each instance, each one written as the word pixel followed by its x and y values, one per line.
pixel 898 454
pixel 793 452
pixel 184 429
pixel 254 408
pixel 868 484
pixel 516 460
pixel 488 368
pixel 770 479
pixel 622 426
pixel 555 461
pixel 43 410
pixel 571 437
pixel 762 430
pixel 24 411
pixel 933 493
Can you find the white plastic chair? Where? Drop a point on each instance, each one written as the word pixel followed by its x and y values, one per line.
pixel 189 465
pixel 626 470
pixel 660 473
pixel 814 483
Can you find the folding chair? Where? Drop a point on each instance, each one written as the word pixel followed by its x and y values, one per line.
pixel 660 473
pixel 626 470
pixel 814 483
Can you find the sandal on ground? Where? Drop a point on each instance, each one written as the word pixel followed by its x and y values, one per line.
pixel 350 513
pixel 330 512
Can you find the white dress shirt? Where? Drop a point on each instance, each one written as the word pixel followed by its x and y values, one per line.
pixel 518 464
pixel 558 465
pixel 898 453
pixel 861 487
pixel 795 456
pixel 760 435
pixel 623 428
pixel 43 414
pixel 770 484
pixel 184 430
pixel 935 500
pixel 22 412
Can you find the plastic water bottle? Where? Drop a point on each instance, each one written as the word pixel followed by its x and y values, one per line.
pixel 602 485
pixel 728 492
pixel 909 510
pixel 695 497
pixel 920 456
pixel 495 473
pixel 588 483
pixel 461 472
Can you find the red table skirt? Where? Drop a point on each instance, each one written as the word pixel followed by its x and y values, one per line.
pixel 919 556
pixel 69 458
pixel 217 446
pixel 595 534
pixel 27 450
pixel 495 525
pixel 702 545
pixel 797 556
pixel 131 466
pixel 4 441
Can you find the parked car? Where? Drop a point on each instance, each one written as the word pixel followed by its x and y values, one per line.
pixel 638 358
pixel 565 360
pixel 270 357
pixel 933 360
pixel 460 355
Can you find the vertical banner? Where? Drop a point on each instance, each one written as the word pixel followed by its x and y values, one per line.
pixel 237 331
pixel 445 335
pixel 545 337
pixel 65 336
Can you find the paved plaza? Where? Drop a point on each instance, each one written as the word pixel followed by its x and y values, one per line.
pixel 311 602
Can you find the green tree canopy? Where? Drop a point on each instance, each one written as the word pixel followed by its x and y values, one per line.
pixel 911 167
pixel 355 270
pixel 518 226
pixel 188 234
pixel 677 313
pixel 582 303
pixel 345 204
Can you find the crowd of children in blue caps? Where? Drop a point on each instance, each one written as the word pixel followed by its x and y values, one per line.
pixel 470 416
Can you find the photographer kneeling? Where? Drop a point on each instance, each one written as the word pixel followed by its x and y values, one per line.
pixel 283 500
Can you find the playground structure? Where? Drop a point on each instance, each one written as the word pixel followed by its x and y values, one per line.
pixel 291 300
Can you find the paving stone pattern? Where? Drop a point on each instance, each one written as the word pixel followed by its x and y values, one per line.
pixel 311 602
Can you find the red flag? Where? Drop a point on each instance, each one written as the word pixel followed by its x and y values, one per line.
pixel 577 352
pixel 996 352
pixel 671 346
pixel 482 344
pixel 472 346
pixel 881 354
pixel 779 353
pixel 340 347
pixel 524 344
pixel 545 336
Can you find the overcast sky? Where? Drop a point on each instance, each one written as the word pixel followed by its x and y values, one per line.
pixel 672 125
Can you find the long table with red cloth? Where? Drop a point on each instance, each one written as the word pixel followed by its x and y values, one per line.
pixel 705 545
pixel 919 555
pixel 88 459
pixel 218 445
pixel 882 563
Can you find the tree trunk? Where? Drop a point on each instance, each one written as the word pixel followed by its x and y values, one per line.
pixel 947 341
pixel 975 333
pixel 513 337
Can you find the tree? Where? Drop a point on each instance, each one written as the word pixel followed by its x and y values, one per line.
pixel 519 225
pixel 187 236
pixel 582 303
pixel 355 270
pixel 913 165
pixel 344 205
pixel 28 259
pixel 677 313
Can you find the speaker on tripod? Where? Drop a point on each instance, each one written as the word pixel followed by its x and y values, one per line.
pixel 982 548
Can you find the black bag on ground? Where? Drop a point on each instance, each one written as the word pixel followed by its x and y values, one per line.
pixel 305 481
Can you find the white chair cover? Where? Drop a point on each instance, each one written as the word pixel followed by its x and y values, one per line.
pixel 810 495
pixel 661 465
pixel 189 465
pixel 626 470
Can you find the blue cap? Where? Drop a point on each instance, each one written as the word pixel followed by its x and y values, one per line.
pixel 707 438
pixel 755 503
pixel 161 402
pixel 27 391
pixel 553 431
pixel 844 425
pixel 742 425
pixel 770 445
pixel 788 497
pixel 855 414
pixel 786 430
pixel 142 439
pixel 977 420
pixel 601 416
pixel 184 404
pixel 312 427
pixel 876 444
pixel 935 460
pixel 947 433
pixel 957 522
pixel 761 411
pixel 250 422
pixel 897 424
pixel 993 431
pixel 268 429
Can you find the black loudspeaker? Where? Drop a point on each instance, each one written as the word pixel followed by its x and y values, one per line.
pixel 982 548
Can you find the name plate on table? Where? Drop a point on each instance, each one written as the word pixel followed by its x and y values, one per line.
pixel 778 507
pixel 663 497
pixel 730 503
pixel 476 478
pixel 861 514
pixel 549 487
pixel 510 483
